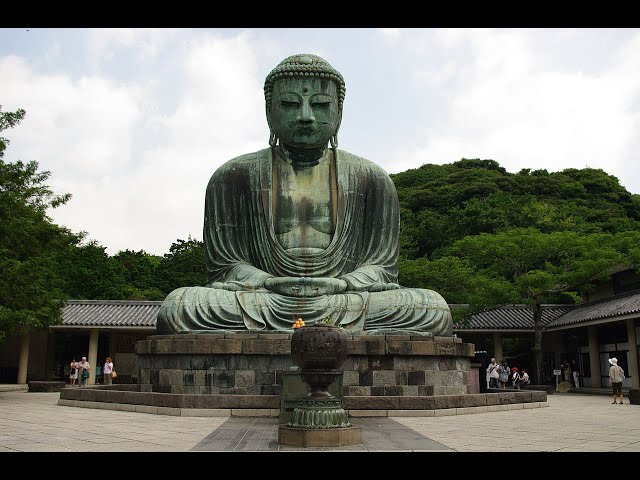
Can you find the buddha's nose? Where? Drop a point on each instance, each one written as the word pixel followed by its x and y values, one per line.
pixel 306 113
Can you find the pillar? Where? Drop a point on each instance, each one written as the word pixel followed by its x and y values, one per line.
pixel 633 353
pixel 93 355
pixel 23 362
pixel 497 346
pixel 594 357
pixel 50 362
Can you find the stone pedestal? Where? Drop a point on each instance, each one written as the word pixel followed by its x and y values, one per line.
pixel 253 364
pixel 327 437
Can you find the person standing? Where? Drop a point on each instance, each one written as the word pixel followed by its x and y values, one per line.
pixel 576 378
pixel 106 370
pixel 73 372
pixel 83 372
pixel 503 374
pixel 567 373
pixel 616 375
pixel 492 369
pixel 524 379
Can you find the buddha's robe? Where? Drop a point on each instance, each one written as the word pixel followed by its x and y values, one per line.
pixel 243 249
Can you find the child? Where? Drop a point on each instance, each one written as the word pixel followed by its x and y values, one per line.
pixel 516 378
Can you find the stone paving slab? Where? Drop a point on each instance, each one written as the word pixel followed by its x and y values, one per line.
pixel 571 422
pixel 261 434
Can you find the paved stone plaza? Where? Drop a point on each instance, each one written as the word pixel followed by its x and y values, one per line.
pixel 34 422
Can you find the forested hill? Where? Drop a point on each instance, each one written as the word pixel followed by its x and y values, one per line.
pixel 444 203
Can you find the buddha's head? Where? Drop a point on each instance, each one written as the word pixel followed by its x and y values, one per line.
pixel 304 97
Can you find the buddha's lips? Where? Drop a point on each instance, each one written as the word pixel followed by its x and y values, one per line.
pixel 305 130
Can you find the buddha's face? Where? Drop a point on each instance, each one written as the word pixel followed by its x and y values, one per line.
pixel 304 111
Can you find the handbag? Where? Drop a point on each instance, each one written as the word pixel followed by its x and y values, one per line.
pixel 114 374
pixel 85 374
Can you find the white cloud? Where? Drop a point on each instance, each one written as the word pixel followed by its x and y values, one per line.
pixel 81 126
pixel 88 133
pixel 512 109
pixel 146 42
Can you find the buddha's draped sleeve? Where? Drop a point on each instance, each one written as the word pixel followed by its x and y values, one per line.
pixel 232 226
pixel 372 219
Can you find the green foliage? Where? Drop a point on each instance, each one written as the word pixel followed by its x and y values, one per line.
pixel 140 273
pixel 541 265
pixel 183 266
pixel 31 294
pixel 89 273
pixel 441 204
pixel 8 120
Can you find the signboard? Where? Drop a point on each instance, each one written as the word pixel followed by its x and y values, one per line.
pixel 557 372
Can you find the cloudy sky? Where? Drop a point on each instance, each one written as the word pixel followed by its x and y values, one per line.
pixel 133 122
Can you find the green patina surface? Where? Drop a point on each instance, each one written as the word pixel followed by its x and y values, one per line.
pixel 302 229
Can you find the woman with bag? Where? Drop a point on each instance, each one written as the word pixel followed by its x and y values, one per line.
pixel 503 374
pixel 108 371
pixel 83 372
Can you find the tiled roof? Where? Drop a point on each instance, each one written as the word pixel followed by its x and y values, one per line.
pixel 507 317
pixel 111 313
pixel 611 307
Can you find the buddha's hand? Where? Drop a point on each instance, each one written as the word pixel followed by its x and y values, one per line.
pixel 305 286
pixel 381 287
pixel 232 286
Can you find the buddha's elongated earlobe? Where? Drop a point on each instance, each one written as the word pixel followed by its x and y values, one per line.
pixel 273 140
pixel 334 137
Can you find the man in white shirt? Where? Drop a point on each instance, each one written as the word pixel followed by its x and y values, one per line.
pixel 492 370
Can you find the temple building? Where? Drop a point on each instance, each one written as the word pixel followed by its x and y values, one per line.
pixel 587 334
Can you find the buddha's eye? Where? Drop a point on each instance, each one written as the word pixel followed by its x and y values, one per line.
pixel 289 104
pixel 320 104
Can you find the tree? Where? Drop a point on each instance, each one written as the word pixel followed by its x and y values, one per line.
pixel 31 296
pixel 184 265
pixel 141 274
pixel 8 120
pixel 444 203
pixel 545 267
pixel 89 273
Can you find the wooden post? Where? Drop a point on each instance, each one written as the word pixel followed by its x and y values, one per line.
pixel 93 355
pixel 633 353
pixel 23 363
pixel 594 357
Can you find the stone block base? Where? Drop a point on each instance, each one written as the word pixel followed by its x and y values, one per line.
pixel 46 386
pixel 254 364
pixel 319 437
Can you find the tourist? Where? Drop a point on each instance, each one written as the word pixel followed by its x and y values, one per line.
pixel 524 379
pixel 492 369
pixel 616 376
pixel 73 372
pixel 516 378
pixel 98 373
pixel 108 368
pixel 503 374
pixel 568 377
pixel 83 372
